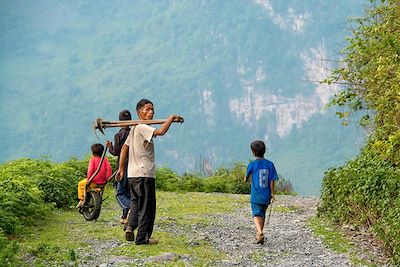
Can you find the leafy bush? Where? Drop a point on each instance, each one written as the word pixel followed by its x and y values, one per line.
pixel 215 184
pixel 365 192
pixel 21 202
pixel 59 184
pixel 192 183
pixel 224 180
pixel 284 186
pixel 231 180
pixel 167 180
pixel 57 181
pixel 29 188
pixel 80 166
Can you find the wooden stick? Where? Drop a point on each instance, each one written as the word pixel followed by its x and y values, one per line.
pixel 100 124
pixel 108 124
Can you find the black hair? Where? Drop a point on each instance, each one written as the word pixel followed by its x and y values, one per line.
pixel 142 102
pixel 258 148
pixel 97 149
pixel 125 115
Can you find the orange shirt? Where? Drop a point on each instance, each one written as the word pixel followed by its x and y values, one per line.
pixel 104 172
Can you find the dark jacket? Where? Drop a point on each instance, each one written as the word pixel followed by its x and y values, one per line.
pixel 119 141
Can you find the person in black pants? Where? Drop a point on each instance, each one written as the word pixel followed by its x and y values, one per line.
pixel 141 173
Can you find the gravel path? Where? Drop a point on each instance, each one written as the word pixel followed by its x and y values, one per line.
pixel 289 241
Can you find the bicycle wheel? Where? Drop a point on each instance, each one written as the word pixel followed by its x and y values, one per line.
pixel 92 207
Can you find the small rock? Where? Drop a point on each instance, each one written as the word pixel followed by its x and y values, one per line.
pixel 163 257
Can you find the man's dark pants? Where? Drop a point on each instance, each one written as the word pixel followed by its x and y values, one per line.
pixel 143 207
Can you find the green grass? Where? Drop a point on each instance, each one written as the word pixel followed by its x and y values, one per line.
pixel 336 240
pixel 285 209
pixel 331 236
pixel 62 237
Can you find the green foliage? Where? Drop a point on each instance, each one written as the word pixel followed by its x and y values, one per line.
pixel 80 166
pixel 72 255
pixel 21 202
pixel 284 186
pixel 224 180
pixel 371 72
pixel 366 189
pixel 167 179
pixel 29 188
pixel 57 181
pixel 8 251
pixel 233 179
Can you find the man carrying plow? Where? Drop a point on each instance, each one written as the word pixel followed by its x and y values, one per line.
pixel 141 172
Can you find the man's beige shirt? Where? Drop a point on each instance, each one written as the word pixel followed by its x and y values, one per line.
pixel 141 151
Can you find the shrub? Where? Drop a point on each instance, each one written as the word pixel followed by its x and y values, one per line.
pixel 227 180
pixel 21 202
pixel 80 166
pixel 365 191
pixel 215 184
pixel 59 184
pixel 284 186
pixel 167 180
pixel 30 187
pixel 192 183
pixel 57 181
pixel 224 180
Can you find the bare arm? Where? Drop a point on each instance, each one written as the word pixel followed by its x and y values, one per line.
pixel 272 187
pixel 122 159
pixel 247 178
pixel 113 148
pixel 165 126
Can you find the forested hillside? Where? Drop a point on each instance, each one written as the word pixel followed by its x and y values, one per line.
pixel 365 191
pixel 236 70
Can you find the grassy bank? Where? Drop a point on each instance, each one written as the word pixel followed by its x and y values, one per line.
pixel 65 238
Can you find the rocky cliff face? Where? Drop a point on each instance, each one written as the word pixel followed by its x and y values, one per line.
pixel 236 70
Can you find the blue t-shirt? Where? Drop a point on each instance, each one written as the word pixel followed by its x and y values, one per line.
pixel 262 172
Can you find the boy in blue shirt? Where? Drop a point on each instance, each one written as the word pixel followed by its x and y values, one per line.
pixel 263 175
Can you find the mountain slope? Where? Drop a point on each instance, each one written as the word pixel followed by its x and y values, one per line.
pixel 236 70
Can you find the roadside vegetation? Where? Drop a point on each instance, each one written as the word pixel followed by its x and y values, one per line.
pixel 365 191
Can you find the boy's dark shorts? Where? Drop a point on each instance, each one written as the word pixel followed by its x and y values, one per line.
pixel 258 209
